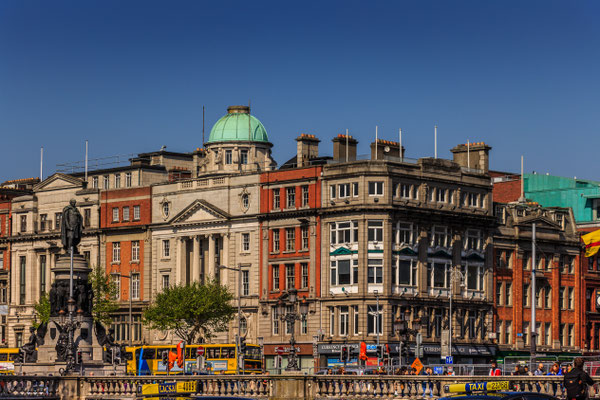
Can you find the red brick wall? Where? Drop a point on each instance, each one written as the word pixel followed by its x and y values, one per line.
pixel 505 192
pixel 126 266
pixel 120 198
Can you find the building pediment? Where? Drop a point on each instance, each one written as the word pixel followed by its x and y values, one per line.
pixel 58 181
pixel 540 221
pixel 200 211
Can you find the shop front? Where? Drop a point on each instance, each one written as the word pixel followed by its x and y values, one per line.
pixel 276 357
pixel 329 355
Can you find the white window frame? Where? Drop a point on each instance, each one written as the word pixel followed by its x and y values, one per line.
pixel 115 216
pixel 354 189
pixel 473 239
pixel 244 156
pixel 290 279
pixel 447 269
pixel 126 213
pixel 245 282
pixel 377 188
pixel 343 190
pixel 128 180
pixel 135 286
pixel 116 252
pixel 166 248
pixel 245 242
pixel 228 157
pixel 376 265
pixel 304 275
pixel 106 181
pixel 275 279
pixel 334 269
pixel 480 275
pixel 165 281
pixel 136 213
pixel 276 240
pixel 305 196
pixel 276 199
pixel 135 250
pixel 290 239
pixel 440 232
pixel 117 181
pixel 275 320
pixel 305 237
pixel 116 278
pixel 374 313
pixel 375 226
pixel 290 197
pixel 344 327
pixel 404 229
pixel 413 279
pixel 350 232
pixel 95 182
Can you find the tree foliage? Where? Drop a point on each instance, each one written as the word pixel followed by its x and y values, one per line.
pixel 192 311
pixel 41 310
pixel 105 293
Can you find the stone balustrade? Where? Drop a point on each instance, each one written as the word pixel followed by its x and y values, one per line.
pixel 289 387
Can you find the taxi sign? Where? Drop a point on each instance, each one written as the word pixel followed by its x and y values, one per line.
pixel 492 386
pixel 169 388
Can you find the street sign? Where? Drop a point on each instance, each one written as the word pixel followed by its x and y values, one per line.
pixel 417 365
pixel 200 351
pixel 279 350
pixel 449 360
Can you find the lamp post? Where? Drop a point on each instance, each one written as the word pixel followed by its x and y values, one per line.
pixel 290 298
pixel 240 357
pixel 402 331
pixel 130 308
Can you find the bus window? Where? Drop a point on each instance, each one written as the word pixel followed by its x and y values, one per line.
pixel 128 355
pixel 228 352
pixel 190 352
pixel 13 356
pixel 212 352
pixel 253 353
pixel 3 356
pixel 149 354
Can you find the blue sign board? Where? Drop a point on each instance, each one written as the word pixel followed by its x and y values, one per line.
pixel 449 360
pixel 438 370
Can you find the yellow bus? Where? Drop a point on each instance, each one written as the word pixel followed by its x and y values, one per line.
pixel 219 359
pixel 8 356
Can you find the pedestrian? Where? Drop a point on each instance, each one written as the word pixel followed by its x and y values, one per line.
pixel 539 370
pixel 576 381
pixel 554 371
pixel 494 370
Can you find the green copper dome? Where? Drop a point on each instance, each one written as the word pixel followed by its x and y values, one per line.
pixel 234 127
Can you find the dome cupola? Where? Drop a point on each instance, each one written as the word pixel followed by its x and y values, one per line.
pixel 238 125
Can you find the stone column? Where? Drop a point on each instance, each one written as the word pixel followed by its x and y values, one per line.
pixel 195 259
pixel 224 273
pixel 211 256
pixel 49 279
pixel 179 260
pixel 30 281
pixel 14 272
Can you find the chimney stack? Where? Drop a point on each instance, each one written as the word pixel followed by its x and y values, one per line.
pixel 339 148
pixel 472 155
pixel 307 149
pixel 386 148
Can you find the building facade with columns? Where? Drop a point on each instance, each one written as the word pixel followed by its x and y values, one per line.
pixel 211 220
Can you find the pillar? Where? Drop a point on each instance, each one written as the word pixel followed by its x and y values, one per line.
pixel 49 279
pixel 195 259
pixel 225 273
pixel 211 256
pixel 180 261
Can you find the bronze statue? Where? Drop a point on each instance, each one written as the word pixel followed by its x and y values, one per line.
pixel 71 227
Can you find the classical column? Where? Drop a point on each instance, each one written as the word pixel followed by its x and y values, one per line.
pixel 224 273
pixel 180 261
pixel 49 279
pixel 195 259
pixel 32 280
pixel 211 256
pixel 14 272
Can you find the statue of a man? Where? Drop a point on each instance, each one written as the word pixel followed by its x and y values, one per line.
pixel 71 227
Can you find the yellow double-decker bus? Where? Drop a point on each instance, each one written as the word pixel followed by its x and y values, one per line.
pixel 219 359
pixel 8 356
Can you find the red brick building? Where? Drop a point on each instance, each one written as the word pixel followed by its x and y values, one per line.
pixel 125 216
pixel 558 277
pixel 290 253
pixel 590 300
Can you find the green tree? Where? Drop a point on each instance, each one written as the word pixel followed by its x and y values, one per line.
pixel 193 311
pixel 42 311
pixel 105 293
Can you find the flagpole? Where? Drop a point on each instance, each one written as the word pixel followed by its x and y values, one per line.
pixel 400 142
pixel 376 142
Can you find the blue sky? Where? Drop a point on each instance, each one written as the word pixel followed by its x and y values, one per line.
pixel 131 76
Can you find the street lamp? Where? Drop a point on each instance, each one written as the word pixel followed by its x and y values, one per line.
pixel 402 331
pixel 290 298
pixel 240 358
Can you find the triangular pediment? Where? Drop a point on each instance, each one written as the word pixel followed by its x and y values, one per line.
pixel 341 251
pixel 200 211
pixel 540 222
pixel 440 252
pixel 58 181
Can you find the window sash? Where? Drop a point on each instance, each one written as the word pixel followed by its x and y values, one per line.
pixel 291 197
pixel 135 250
pixel 136 212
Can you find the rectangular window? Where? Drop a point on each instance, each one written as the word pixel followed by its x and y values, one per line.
pixel 332 192
pixel 57 221
pixel 245 282
pixel 276 204
pixel 106 181
pixel 305 196
pixel 1 260
pixel 405 191
pixel 340 273
pixel 570 335
pixel 474 276
pixel 355 189
pixel 304 231
pixel 136 213
pixel 275 271
pixel 125 213
pixel 135 251
pixel 290 239
pixel 526 295
pixel 290 276
pixel 440 236
pixel 374 320
pixel 571 304
pixel 228 157
pixel 42 274
pixel 499 293
pixel 508 332
pixel 275 321
pixel 473 239
pixel 304 276
pixel 439 274
pixel 115 213
pixel 23 223
pixel 166 248
pixel 135 286
pixel 344 321
pixel 441 195
pixel 356 317
pixel 561 297
pixel 375 270
pixel 245 242
pixel 87 217
pixel 95 182
pixel 244 157
pixel 128 179
pixel 526 333
pixel 117 181
pixel 276 240
pixel 117 282
pixel 116 252
pixel 404 271
pixel 375 188
pixel 290 197
pixel 407 233
pixel 375 231
pixel 344 232
pixel 548 297
pixel 508 293
pixel 331 321
pixel 165 282
pixel 344 190
pixel 22 279
pixel 43 222
pixel 548 334
pixel 304 326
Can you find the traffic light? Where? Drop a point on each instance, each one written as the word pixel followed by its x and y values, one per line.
pixel 79 358
pixel 380 352
pixel 242 345
pixel 344 355
pixel 165 357
pixel 404 352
